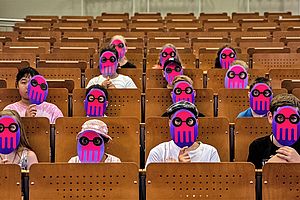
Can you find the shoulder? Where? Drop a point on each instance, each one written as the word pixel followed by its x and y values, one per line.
pixel 208 148
pixel 245 113
pixel 124 77
pixel 128 65
pixel 74 159
pixel 111 158
pixel 12 106
pixel 96 80
pixel 261 141
pixel 160 148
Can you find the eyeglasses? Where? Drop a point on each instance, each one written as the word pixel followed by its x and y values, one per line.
pixel 120 45
pixel 280 118
pixel 188 90
pixel 97 141
pixel 34 83
pixel 266 93
pixel 231 55
pixel 165 54
pixel 190 121
pixel 232 74
pixel 169 70
pixel 91 98
pixel 112 59
pixel 13 127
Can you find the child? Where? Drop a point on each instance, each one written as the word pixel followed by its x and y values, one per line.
pixel 167 51
pixel 260 94
pixel 24 107
pixel 109 77
pixel 91 142
pixel 96 101
pixel 18 151
pixel 183 119
pixel 225 56
pixel 120 45
pixel 284 115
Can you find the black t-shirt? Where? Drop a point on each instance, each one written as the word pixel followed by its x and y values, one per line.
pixel 261 150
pixel 128 65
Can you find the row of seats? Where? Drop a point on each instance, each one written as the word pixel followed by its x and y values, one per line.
pixel 169 17
pixel 160 181
pixel 73 78
pixel 132 140
pixel 160 25
pixel 130 102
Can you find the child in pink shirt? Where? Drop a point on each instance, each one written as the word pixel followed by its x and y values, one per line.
pixel 24 107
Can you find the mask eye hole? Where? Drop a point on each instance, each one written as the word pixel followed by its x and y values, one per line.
pixel 173 54
pixel 91 98
pixel 121 45
pixel 177 121
pixel 267 93
pixel 168 70
pixel 177 68
pixel 231 55
pixel 279 118
pixel 84 141
pixel 97 141
pixel 223 55
pixel 164 54
pixel 242 75
pixel 101 99
pixel 255 93
pixel 1 128
pixel 43 86
pixel 103 59
pixel 190 121
pixel 112 59
pixel 231 74
pixel 34 82
pixel 177 91
pixel 294 119
pixel 188 90
pixel 13 127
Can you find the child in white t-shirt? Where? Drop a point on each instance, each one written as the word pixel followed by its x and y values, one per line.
pixel 91 142
pixel 109 77
pixel 184 131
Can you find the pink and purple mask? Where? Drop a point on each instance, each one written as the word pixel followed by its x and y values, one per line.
pixel 236 77
pixel 90 147
pixel 120 47
pixel 165 54
pixel 171 71
pixel 260 98
pixel 184 128
pixel 227 56
pixel 37 90
pixel 9 134
pixel 95 103
pixel 108 63
pixel 286 126
pixel 183 91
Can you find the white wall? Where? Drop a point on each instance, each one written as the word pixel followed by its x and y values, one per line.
pixel 21 8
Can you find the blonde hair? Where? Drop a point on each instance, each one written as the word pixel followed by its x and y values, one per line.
pixel 118 37
pixel 170 46
pixel 182 78
pixel 240 62
pixel 24 143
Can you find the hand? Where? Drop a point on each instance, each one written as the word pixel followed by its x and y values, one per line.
pixel 31 111
pixel 4 161
pixel 106 83
pixel 289 154
pixel 184 155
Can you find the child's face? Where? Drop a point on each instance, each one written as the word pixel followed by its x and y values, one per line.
pixel 23 86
